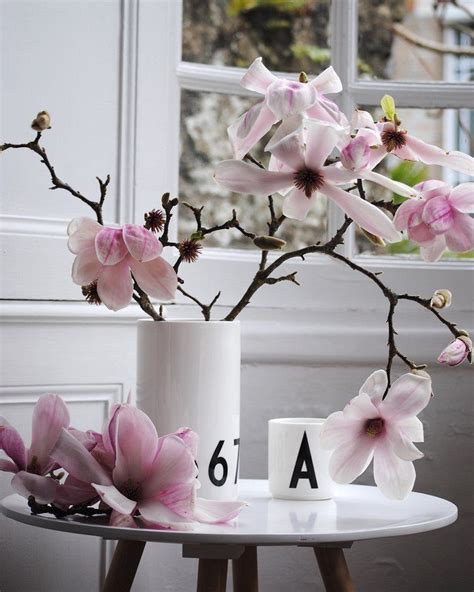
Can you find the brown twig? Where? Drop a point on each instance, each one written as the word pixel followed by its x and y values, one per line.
pixel 435 46
pixel 81 509
pixel 205 308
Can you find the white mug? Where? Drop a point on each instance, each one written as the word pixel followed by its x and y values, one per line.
pixel 297 465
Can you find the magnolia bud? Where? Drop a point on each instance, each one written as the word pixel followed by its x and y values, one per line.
pixel 373 238
pixel 441 299
pixel 456 352
pixel 41 122
pixel 269 243
pixel 303 78
pixel 420 371
pixel 356 155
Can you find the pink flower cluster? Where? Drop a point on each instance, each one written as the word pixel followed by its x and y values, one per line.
pixel 301 169
pixel 140 477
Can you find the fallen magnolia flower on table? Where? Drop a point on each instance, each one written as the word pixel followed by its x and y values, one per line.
pixel 383 429
pixel 107 257
pixel 456 352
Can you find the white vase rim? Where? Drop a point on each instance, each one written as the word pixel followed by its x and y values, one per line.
pixel 193 321
pixel 297 420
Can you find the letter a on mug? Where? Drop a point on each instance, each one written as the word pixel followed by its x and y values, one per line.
pixel 304 458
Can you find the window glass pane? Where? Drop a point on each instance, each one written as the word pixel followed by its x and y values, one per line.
pixel 450 129
pixel 395 37
pixel 204 121
pixel 290 35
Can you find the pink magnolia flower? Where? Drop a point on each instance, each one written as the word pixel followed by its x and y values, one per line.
pixel 283 98
pixel 135 472
pixel 305 173
pixel 30 465
pixel 392 139
pixel 439 219
pixel 382 429
pixel 456 352
pixel 110 256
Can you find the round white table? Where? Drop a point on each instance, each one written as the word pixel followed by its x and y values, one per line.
pixel 356 513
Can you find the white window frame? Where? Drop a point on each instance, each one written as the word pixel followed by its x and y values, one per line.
pixel 234 268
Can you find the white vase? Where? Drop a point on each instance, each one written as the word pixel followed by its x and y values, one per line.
pixel 188 375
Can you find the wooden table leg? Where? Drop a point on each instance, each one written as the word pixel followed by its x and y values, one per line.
pixel 334 570
pixel 212 575
pixel 245 571
pixel 124 566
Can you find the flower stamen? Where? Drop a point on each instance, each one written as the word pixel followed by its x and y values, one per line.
pixel 373 427
pixel 309 181
pixel 90 293
pixel 393 139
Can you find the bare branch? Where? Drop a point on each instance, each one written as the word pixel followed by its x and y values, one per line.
pixel 205 308
pixel 417 41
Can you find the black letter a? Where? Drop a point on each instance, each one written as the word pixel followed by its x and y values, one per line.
pixel 304 457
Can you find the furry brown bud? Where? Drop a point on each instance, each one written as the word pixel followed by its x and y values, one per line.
pixel 189 250
pixel 41 122
pixel 269 243
pixel 154 220
pixel 90 293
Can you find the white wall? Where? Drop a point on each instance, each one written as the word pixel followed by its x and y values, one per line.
pixel 79 59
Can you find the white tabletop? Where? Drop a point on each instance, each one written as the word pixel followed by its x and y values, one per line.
pixel 357 512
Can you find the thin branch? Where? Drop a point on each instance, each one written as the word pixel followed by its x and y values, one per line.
pixel 417 41
pixel 81 509
pixel 284 278
pixel 205 308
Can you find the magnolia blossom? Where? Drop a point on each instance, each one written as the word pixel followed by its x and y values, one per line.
pixel 382 429
pixel 456 352
pixel 30 465
pixel 306 174
pixel 135 472
pixel 109 256
pixel 439 218
pixel 390 138
pixel 283 98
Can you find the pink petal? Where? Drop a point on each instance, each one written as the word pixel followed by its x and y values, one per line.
pixel 432 188
pixel 401 444
pixel 404 213
pixel 8 466
pixel 122 520
pixel 351 459
pixel 44 489
pixel 12 444
pixel 462 198
pixel 258 77
pixel 356 153
pixel 74 492
pixel 50 417
pixel 337 175
pixel 173 464
pixel 412 428
pixel 455 353
pixel 141 243
pixel 110 247
pixel 422 234
pixel 460 237
pixel 327 82
pixel 429 154
pixel 216 512
pixel 361 407
pixel 384 181
pixel 157 278
pixel 363 119
pixel 320 142
pixel 82 233
pixel 407 396
pixel 394 477
pixel 157 514
pixel 375 386
pixel 438 215
pixel 72 456
pixel 327 111
pixel 86 267
pixel 249 128
pixel 362 212
pixel 116 500
pixel 190 438
pixel 286 98
pixel 296 205
pixel 338 430
pixel 134 455
pixel 287 143
pixel 87 439
pixel 179 498
pixel 247 178
pixel 432 251
pixel 115 286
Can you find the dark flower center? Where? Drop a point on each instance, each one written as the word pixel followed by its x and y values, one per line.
pixel 131 489
pixel 373 427
pixel 309 181
pixel 393 139
pixel 90 293
pixel 33 466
